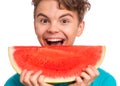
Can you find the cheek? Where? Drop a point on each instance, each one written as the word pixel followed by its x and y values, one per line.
pixel 39 30
pixel 71 31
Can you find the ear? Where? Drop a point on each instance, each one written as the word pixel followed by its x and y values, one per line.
pixel 80 28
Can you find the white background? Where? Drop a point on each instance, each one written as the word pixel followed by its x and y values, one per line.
pixel 102 28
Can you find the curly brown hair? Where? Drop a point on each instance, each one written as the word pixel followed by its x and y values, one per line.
pixel 81 6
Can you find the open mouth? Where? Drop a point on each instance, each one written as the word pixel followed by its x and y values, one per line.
pixel 55 42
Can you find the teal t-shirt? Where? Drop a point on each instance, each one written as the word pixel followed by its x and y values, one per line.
pixel 104 79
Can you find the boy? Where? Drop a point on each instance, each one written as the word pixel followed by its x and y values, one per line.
pixel 58 22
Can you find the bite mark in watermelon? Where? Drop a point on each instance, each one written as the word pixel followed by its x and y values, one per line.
pixel 58 63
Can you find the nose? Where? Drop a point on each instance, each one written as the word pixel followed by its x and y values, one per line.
pixel 53 28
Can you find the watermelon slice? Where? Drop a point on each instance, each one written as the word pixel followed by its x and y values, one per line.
pixel 58 63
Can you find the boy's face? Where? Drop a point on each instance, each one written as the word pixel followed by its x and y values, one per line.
pixel 55 26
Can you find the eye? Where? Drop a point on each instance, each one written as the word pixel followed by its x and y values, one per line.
pixel 64 21
pixel 44 20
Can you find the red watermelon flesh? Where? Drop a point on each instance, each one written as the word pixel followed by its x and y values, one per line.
pixel 58 63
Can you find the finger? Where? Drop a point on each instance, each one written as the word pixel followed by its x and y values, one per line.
pixel 22 75
pixel 96 72
pixel 34 78
pixel 85 77
pixel 25 77
pixel 92 72
pixel 41 80
pixel 78 80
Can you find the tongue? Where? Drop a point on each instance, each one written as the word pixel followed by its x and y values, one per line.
pixel 55 43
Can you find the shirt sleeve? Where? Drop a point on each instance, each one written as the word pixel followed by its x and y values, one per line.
pixel 10 82
pixel 13 81
pixel 104 79
pixel 109 81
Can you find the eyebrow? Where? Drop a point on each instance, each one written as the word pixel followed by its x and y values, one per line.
pixel 41 14
pixel 66 15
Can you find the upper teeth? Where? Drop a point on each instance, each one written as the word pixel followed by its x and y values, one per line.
pixel 54 40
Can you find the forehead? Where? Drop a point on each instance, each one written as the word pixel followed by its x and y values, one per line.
pixel 51 9
pixel 51 3
pixel 49 6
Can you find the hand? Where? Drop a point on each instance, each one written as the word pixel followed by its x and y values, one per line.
pixel 29 78
pixel 87 77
